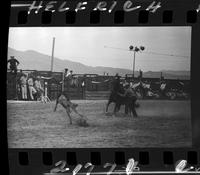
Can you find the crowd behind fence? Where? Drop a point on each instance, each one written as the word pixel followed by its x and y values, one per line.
pixel 78 85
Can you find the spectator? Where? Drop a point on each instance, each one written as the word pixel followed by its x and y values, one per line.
pixel 13 64
pixel 23 83
pixel 163 89
pixel 125 83
pixel 38 88
pixel 18 95
pixel 140 74
pixel 67 73
pixel 71 72
pixel 126 77
pixel 19 91
pixel 31 88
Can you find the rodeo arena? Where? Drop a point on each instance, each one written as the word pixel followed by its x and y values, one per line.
pixel 65 109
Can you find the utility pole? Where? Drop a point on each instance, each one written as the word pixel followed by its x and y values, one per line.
pixel 52 55
pixel 63 81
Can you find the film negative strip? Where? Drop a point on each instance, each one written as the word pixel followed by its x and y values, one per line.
pixel 103 87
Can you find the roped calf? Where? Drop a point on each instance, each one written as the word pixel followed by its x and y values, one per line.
pixel 68 105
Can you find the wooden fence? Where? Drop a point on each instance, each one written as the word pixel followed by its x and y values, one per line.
pixel 79 86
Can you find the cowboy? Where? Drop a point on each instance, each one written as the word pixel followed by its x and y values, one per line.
pixel 130 99
pixel 116 84
pixel 116 88
pixel 13 64
pixel 19 90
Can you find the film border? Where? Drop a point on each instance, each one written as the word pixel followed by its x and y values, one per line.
pixel 182 12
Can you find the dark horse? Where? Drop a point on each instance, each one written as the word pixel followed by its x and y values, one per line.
pixel 129 102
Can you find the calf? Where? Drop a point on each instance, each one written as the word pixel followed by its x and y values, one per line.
pixel 130 103
pixel 68 105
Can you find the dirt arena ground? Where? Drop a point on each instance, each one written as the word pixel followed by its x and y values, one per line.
pixel 160 124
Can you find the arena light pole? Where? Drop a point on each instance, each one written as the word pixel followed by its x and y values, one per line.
pixel 135 50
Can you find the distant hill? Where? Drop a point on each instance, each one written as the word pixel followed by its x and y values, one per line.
pixel 33 60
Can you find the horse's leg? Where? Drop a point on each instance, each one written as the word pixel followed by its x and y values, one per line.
pixel 130 109
pixel 133 110
pixel 56 105
pixel 126 109
pixel 108 105
pixel 116 108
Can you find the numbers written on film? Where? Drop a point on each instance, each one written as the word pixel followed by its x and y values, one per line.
pixel 61 167
pixel 181 166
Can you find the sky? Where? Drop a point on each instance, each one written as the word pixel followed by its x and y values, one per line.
pixel 87 45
